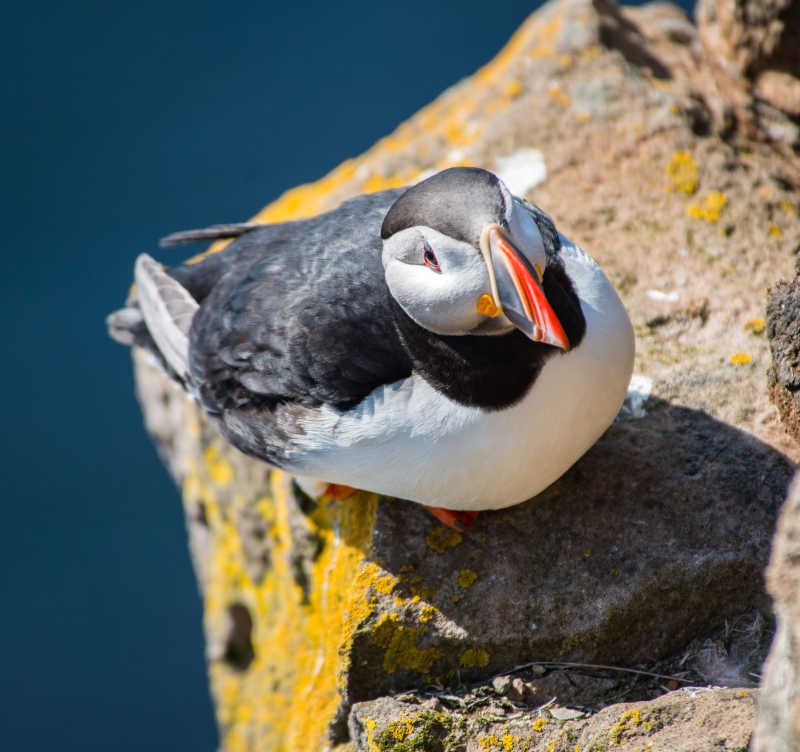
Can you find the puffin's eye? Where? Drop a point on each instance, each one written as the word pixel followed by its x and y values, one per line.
pixel 429 257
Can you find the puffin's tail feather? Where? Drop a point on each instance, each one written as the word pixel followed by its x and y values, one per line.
pixel 158 312
pixel 215 232
pixel 167 309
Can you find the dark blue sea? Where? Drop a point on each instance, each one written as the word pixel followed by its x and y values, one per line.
pixel 123 122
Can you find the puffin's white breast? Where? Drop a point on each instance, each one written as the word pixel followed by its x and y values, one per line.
pixel 409 441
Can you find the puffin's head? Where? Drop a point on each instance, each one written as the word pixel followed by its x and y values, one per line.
pixel 463 256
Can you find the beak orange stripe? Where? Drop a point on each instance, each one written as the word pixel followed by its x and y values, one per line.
pixel 533 298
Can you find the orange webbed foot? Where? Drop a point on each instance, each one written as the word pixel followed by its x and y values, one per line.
pixel 454 518
pixel 338 492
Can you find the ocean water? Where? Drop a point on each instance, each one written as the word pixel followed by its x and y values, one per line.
pixel 123 122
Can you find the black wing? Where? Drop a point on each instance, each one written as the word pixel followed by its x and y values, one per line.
pixel 296 313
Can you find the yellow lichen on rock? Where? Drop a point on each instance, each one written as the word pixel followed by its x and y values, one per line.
pixel 219 469
pixel 442 538
pixel 299 638
pixel 385 584
pixel 377 182
pixel 401 728
pixel 629 719
pixel 710 209
pixel 755 325
pixel 427 612
pixel 474 658
pixel 466 577
pixel 558 96
pixel 682 172
pixel 370 724
pixel 400 644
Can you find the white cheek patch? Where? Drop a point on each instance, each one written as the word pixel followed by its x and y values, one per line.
pixel 443 301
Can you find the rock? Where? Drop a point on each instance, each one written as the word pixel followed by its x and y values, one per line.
pixel 752 47
pixel 683 721
pixel 565 714
pixel 679 549
pixel 501 684
pixel 518 691
pixel 652 539
pixel 750 36
pixel 781 90
pixel 783 333
pixel 778 727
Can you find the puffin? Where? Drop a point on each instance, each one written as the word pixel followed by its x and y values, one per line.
pixel 443 343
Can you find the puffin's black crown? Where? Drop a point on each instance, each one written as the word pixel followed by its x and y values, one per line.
pixel 458 202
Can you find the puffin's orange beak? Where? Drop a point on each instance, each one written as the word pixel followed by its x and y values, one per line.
pixel 517 288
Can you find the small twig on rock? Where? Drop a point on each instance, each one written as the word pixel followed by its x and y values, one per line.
pixel 601 666
pixel 450 698
pixel 546 705
pixel 478 702
pixel 504 718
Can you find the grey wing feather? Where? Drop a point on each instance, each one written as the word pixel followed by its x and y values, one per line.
pixel 167 309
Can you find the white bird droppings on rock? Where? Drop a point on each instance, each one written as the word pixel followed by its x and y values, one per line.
pixel 639 390
pixel 522 170
pixel 669 297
